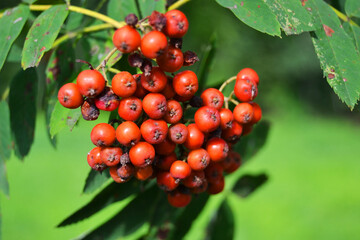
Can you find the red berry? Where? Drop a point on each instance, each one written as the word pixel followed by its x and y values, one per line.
pixel 195 179
pixel 69 96
pixel 182 99
pixel 126 39
pixel 144 173
pixel 216 186
pixel 126 171
pixel 114 175
pixel 232 162
pixel 154 131
pixel 226 118
pixel 247 129
pixel 217 148
pixel 128 133
pixel 243 113
pixel 90 83
pixel 166 182
pixel 195 138
pixel 232 134
pixel 176 24
pixel 207 119
pixel 168 91
pixel 153 44
pixel 155 82
pixel 165 148
pixel 178 133
pixel 123 84
pixel 165 162
pixel 142 154
pixel 180 170
pixel 111 155
pixel 213 98
pixel 103 135
pixel 245 90
pixel 178 199
pixel 174 112
pixel 130 108
pixel 94 159
pixel 198 159
pixel 154 105
pixel 213 172
pixel 107 100
pixel 140 90
pixel 202 188
pixel 248 74
pixel 257 113
pixel 186 83
pixel 171 61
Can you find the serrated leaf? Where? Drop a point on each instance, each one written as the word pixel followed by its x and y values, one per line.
pixel 249 145
pixel 95 180
pixel 22 104
pixel 352 8
pixel 336 52
pixel 129 219
pixel 206 61
pixel 148 6
pixel 5 145
pixel 222 227
pixel 293 18
pixel 354 32
pixel 11 23
pixel 254 13
pixel 42 34
pixel 113 193
pixel 119 9
pixel 62 117
pixel 247 184
pixel 188 216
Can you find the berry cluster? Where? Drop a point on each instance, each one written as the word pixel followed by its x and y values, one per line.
pixel 152 138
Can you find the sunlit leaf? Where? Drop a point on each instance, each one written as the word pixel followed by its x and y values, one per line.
pixel 119 9
pixel 5 145
pixel 352 8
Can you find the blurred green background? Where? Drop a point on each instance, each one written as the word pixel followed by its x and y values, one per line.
pixel 311 156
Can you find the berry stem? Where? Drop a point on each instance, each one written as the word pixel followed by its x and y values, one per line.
pixel 343 16
pixel 104 61
pixel 113 70
pixel 228 99
pixel 226 83
pixel 177 4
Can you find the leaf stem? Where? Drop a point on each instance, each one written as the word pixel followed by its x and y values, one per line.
pixel 70 35
pixel 177 4
pixel 104 61
pixel 226 83
pixel 343 16
pixel 113 70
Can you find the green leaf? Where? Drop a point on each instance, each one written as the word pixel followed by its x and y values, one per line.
pixel 188 216
pixel 252 143
pixel 336 52
pixel 11 24
pixel 62 117
pixel 354 32
pixel 22 104
pixel 130 218
pixel 119 9
pixel 247 184
pixel 352 8
pixel 293 18
pixel 95 180
pixel 254 13
pixel 148 6
pixel 113 193
pixel 5 145
pixel 29 1
pixel 222 227
pixel 42 35
pixel 206 61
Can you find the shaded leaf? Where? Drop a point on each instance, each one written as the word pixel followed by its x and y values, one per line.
pixel 42 35
pixel 62 117
pixel 5 145
pixel 188 216
pixel 293 18
pixel 206 61
pixel 29 1
pixel 337 53
pixel 222 227
pixel 148 6
pixel 95 180
pixel 22 104
pixel 352 8
pixel 354 32
pixel 11 24
pixel 130 218
pixel 254 13
pixel 119 9
pixel 249 145
pixel 113 193
pixel 247 184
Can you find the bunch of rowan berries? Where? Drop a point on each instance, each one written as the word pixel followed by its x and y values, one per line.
pixel 153 139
